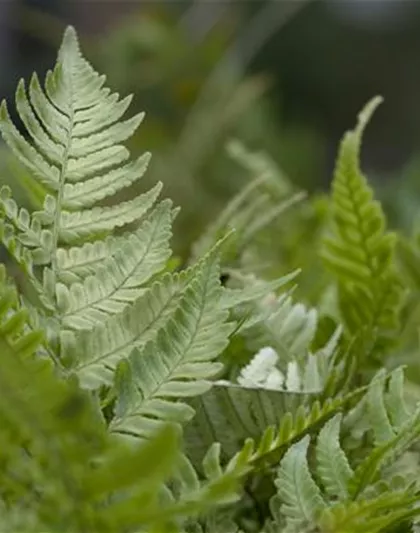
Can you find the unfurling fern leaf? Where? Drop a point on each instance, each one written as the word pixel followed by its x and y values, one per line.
pixel 360 252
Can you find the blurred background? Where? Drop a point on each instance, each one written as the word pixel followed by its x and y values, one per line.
pixel 285 77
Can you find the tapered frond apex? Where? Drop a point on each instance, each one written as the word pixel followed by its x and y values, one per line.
pixel 70 41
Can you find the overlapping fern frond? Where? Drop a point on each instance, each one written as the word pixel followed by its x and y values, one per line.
pixel 342 497
pixel 359 251
pixel 105 302
pixel 257 427
pixel 178 363
pixel 50 435
pixel 122 415
pixel 62 470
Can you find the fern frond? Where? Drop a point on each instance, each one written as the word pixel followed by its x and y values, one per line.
pixel 179 362
pixel 388 424
pixel 301 496
pixel 259 423
pixel 289 330
pixel 75 130
pixel 258 204
pixel 229 414
pixel 94 354
pixel 383 408
pixel 349 497
pixel 359 251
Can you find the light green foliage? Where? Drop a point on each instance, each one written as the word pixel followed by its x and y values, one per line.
pixel 135 337
pixel 137 397
pixel 178 363
pixel 360 252
pixel 351 498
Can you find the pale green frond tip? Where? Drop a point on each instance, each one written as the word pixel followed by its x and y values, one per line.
pixel 366 113
pixel 70 39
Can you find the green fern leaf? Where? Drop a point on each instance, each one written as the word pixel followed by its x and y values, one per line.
pixel 229 414
pixel 333 468
pixel 275 427
pixel 74 150
pixel 179 362
pixel 301 497
pixel 94 354
pixel 360 252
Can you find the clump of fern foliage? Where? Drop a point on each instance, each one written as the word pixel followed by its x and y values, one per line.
pixel 135 396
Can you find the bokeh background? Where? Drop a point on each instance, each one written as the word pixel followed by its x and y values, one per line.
pixel 286 77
